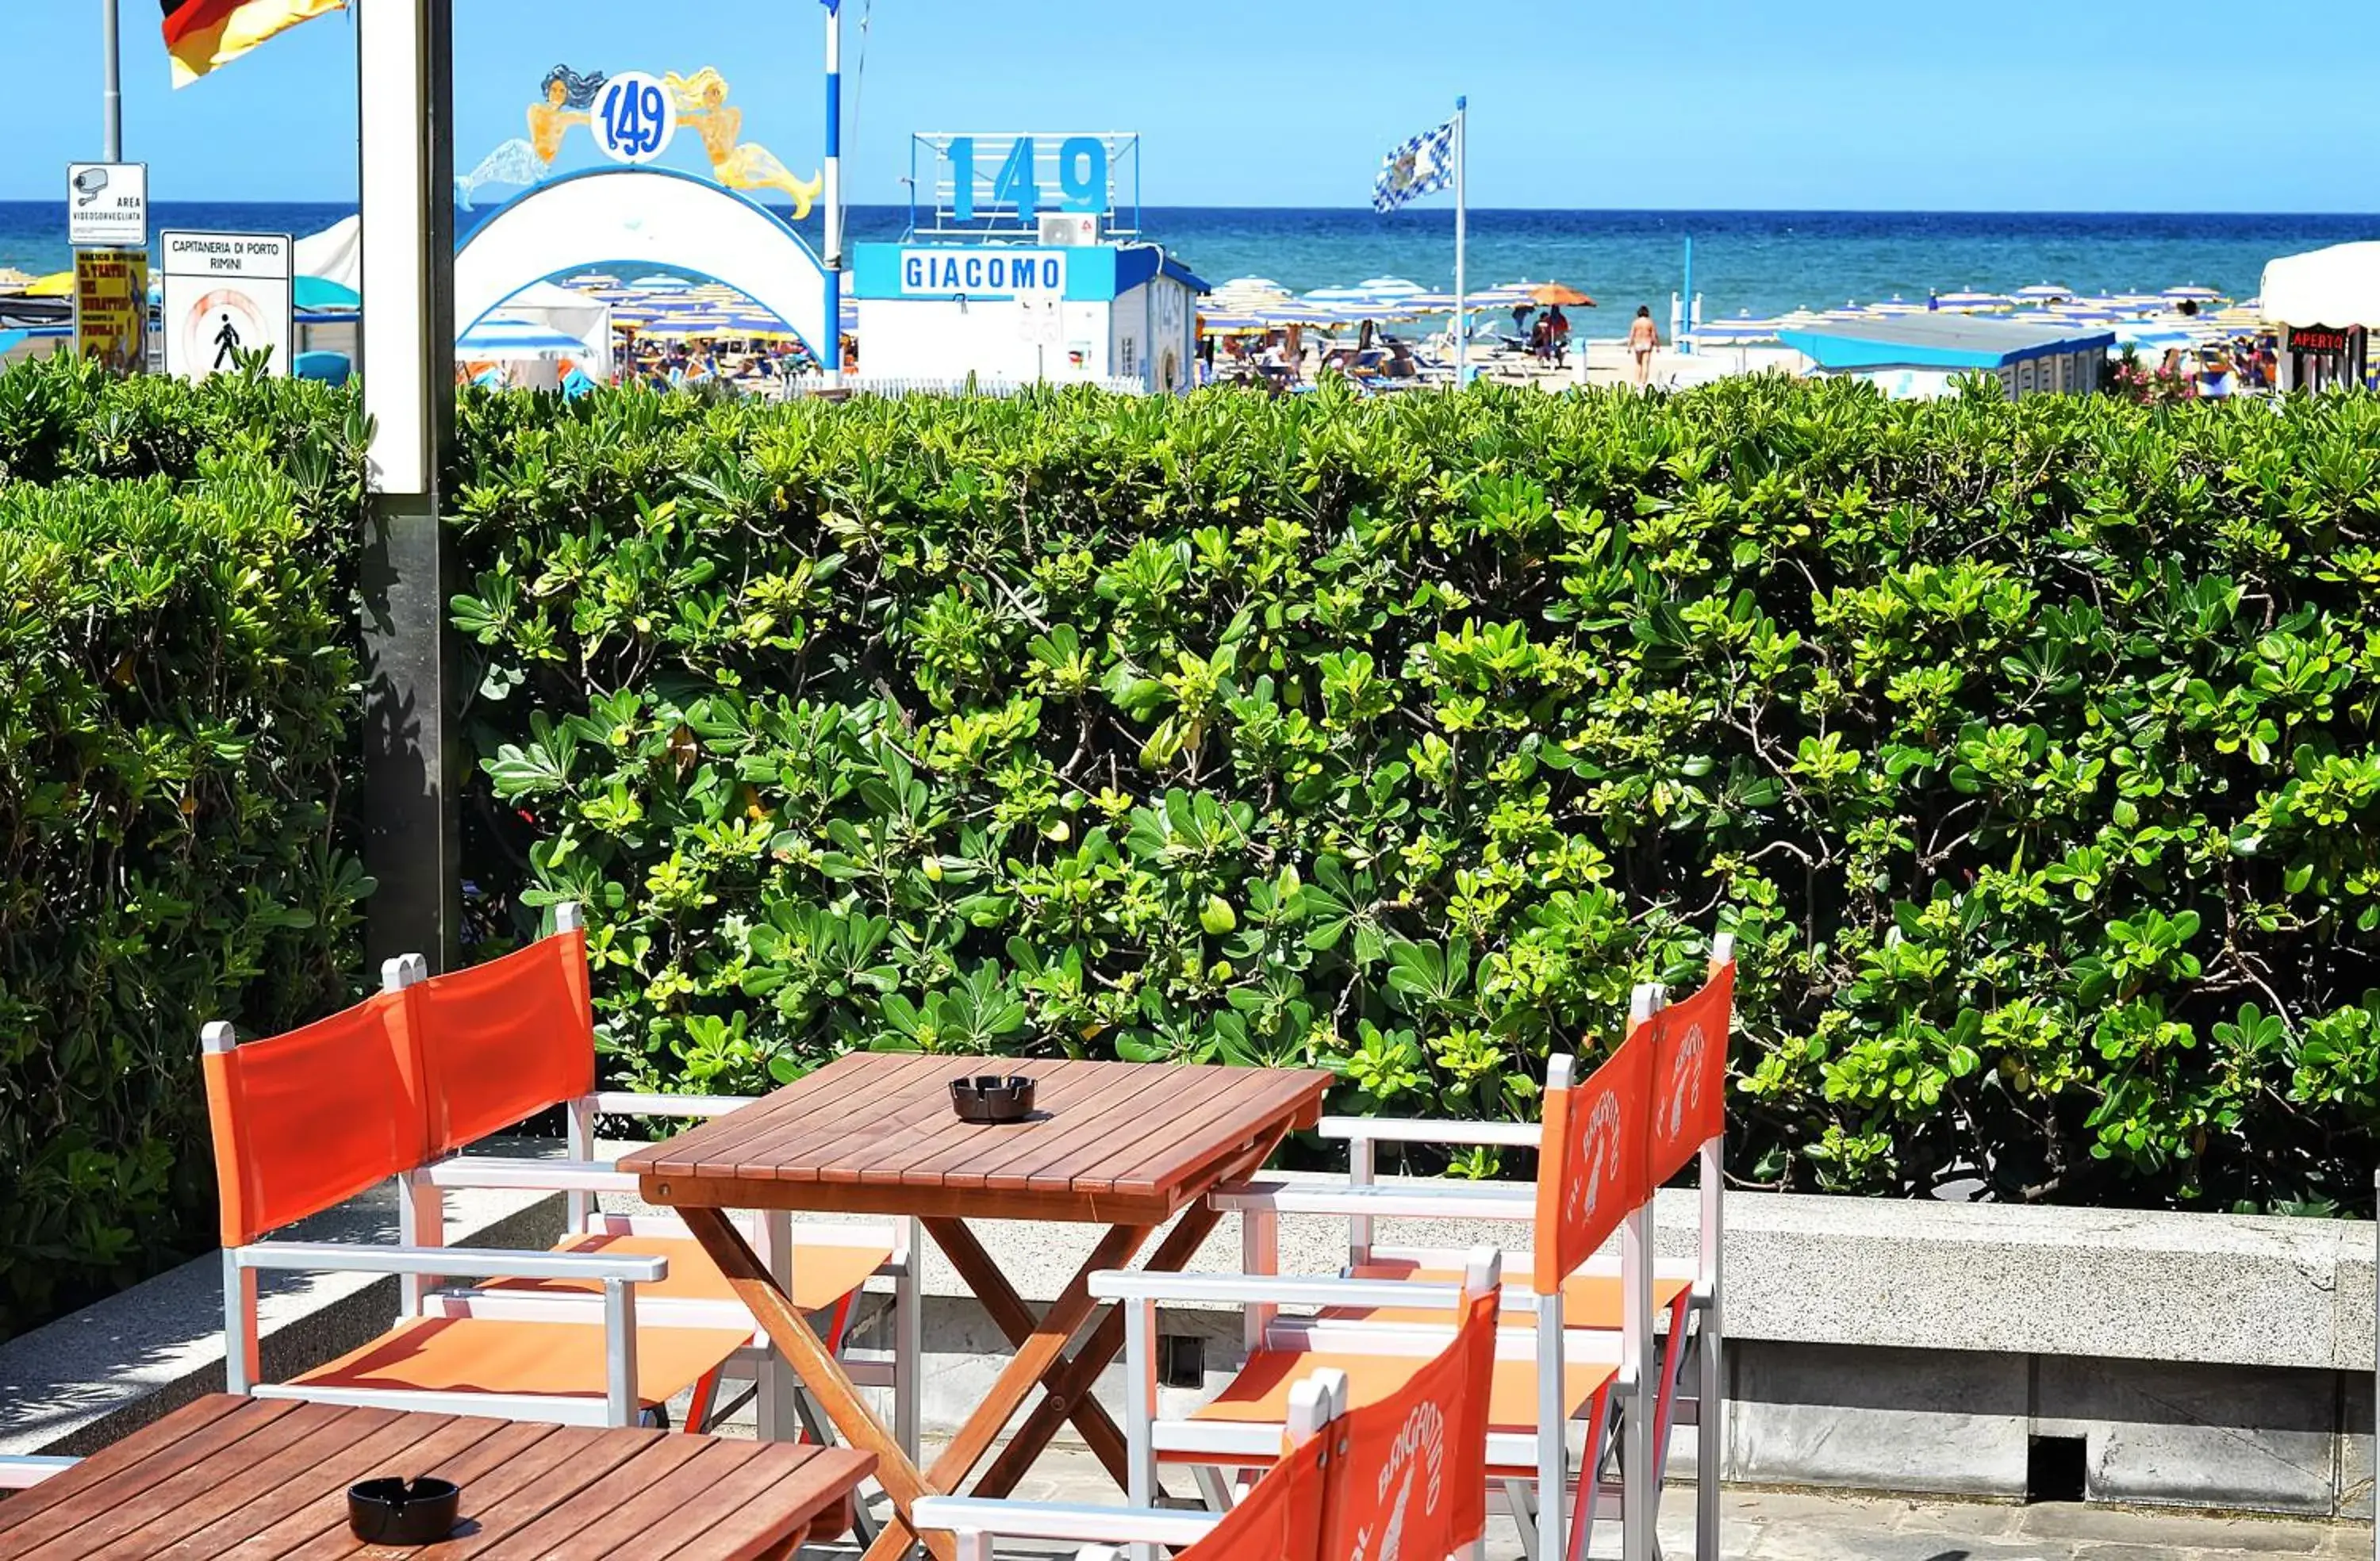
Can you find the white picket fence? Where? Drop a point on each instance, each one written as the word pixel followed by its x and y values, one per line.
pixel 863 384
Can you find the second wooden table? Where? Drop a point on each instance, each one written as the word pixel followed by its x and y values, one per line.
pixel 1125 1144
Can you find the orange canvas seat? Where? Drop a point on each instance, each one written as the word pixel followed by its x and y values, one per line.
pixel 1259 1391
pixel 823 1274
pixel 1596 1301
pixel 466 1356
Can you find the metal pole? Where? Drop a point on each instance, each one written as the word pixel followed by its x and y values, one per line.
pixel 111 91
pixel 1677 338
pixel 833 192
pixel 405 59
pixel 1462 316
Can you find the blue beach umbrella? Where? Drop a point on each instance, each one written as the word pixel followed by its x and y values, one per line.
pixel 507 335
pixel 2192 293
pixel 1968 301
pixel 2045 292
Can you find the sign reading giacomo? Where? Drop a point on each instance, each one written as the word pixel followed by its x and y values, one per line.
pixel 980 272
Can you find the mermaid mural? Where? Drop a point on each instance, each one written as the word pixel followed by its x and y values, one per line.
pixel 739 164
pixel 569 99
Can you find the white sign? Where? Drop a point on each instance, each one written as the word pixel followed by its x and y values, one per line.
pixel 635 118
pixel 979 271
pixel 1038 321
pixel 108 205
pixel 226 293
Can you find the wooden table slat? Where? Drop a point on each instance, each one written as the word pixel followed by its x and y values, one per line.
pixel 1111 1141
pixel 591 1506
pixel 264 1474
pixel 460 1450
pixel 159 1435
pixel 1117 1104
pixel 914 1124
pixel 86 1520
pixel 499 1507
pixel 1271 1105
pixel 739 1532
pixel 1066 1097
pixel 815 1111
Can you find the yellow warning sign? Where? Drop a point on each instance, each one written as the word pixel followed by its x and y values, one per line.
pixel 112 307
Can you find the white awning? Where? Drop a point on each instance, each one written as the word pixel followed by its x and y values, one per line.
pixel 2340 287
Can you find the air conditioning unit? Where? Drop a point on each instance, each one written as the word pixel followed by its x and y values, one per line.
pixel 1071 230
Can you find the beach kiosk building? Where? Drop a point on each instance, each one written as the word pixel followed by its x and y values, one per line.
pixel 1117 314
pixel 2031 359
pixel 2325 303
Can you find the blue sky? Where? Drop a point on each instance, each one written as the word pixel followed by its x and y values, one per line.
pixel 2013 104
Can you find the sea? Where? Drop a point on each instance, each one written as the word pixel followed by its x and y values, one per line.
pixel 1757 262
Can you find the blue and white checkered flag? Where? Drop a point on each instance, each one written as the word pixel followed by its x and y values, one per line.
pixel 1420 166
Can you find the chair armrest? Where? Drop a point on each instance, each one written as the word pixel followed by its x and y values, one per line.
pixel 1455 1201
pixel 324 1257
pixel 1267 1289
pixel 621 1103
pixel 1063 1520
pixel 24 1474
pixel 530 1176
pixel 1409 1130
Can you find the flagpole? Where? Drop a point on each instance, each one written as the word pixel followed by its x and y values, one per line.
pixel 1461 320
pixel 831 193
pixel 111 86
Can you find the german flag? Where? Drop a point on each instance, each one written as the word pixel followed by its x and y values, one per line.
pixel 203 34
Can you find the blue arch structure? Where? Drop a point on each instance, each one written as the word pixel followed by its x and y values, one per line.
pixel 656 218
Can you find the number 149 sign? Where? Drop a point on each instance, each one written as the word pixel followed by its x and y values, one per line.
pixel 1017 176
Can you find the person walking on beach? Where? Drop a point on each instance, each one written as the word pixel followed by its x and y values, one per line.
pixel 1642 337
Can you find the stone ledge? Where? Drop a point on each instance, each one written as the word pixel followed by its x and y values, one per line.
pixel 1807 1269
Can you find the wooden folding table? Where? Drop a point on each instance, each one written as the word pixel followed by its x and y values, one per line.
pixel 269 1478
pixel 1125 1144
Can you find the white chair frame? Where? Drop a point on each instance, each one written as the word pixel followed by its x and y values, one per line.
pixel 782 1408
pixel 1644 1436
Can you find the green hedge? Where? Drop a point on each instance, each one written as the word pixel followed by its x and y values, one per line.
pixel 2027 748
pixel 177 690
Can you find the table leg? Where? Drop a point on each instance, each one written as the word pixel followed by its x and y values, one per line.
pixel 817 1366
pixel 1070 1386
pixel 1069 1396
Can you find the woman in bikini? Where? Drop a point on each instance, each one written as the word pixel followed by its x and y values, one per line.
pixel 1642 337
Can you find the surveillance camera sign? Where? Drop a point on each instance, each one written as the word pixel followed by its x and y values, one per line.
pixel 226 294
pixel 108 205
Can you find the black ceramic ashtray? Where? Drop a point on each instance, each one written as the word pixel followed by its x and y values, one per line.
pixel 402 1511
pixel 990 1097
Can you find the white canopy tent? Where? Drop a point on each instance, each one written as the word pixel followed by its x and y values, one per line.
pixel 2338 287
pixel 584 320
pixel 335 254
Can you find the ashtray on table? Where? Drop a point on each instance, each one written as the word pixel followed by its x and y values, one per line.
pixel 993 1097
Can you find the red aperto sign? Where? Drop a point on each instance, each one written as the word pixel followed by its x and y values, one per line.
pixel 2317 338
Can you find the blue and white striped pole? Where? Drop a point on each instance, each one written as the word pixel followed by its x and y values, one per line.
pixel 833 192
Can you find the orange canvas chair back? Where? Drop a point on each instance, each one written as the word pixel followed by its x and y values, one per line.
pixel 504 1040
pixel 310 1119
pixel 1412 1474
pixel 1690 1074
pixel 1280 1517
pixel 1591 1165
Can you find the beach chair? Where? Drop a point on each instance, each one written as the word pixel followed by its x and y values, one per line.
pixel 514 1038
pixel 1684 1122
pixel 1402 1472
pixel 22 1473
pixel 1591 1182
pixel 307 1120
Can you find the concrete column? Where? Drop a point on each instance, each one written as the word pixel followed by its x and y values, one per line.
pixel 406 348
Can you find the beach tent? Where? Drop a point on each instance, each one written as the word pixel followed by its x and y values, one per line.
pixel 335 254
pixel 2338 287
pixel 531 351
pixel 2028 358
pixel 587 321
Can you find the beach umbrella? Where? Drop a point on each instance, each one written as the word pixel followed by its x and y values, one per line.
pixel 2044 291
pixel 660 281
pixel 510 335
pixel 56 284
pixel 1554 295
pixel 1968 301
pixel 1223 322
pixel 2192 293
pixel 1246 292
pixel 12 280
pixel 1897 305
